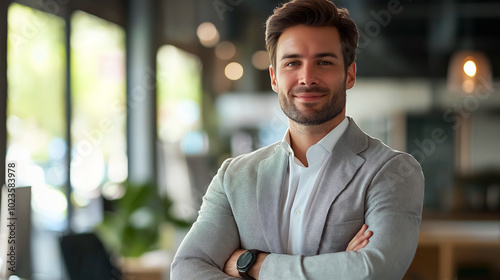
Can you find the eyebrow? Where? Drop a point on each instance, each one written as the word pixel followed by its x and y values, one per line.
pixel 319 55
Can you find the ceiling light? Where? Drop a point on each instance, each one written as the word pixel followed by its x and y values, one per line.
pixel 468 71
pixel 470 68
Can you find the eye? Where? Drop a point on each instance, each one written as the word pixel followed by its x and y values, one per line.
pixel 324 62
pixel 292 63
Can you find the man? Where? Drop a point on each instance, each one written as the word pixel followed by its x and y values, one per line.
pixel 299 209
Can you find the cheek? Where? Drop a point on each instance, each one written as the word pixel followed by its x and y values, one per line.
pixel 285 82
pixel 337 82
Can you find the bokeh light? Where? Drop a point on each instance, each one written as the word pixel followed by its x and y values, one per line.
pixel 207 34
pixel 234 71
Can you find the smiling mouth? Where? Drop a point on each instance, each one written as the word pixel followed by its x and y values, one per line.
pixel 309 97
pixel 309 94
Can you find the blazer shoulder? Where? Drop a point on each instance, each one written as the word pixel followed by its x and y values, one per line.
pixel 378 148
pixel 253 159
pixel 379 154
pixel 371 149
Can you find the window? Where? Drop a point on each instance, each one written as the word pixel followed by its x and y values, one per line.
pixel 36 112
pixel 179 127
pixel 36 125
pixel 98 130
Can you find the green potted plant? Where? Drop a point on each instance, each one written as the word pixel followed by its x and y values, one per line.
pixel 132 229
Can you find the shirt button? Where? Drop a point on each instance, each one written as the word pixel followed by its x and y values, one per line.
pixel 298 212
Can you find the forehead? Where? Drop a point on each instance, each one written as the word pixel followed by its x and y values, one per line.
pixel 302 39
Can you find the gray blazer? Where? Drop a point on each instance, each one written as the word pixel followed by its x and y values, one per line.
pixel 366 182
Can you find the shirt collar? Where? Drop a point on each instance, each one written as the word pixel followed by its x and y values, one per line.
pixel 285 142
pixel 331 139
pixel 328 142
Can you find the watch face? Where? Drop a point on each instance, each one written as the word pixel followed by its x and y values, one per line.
pixel 244 260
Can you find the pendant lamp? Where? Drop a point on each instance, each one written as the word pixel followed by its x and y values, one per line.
pixel 468 72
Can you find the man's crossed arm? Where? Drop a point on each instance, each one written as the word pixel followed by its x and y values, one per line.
pixel 359 241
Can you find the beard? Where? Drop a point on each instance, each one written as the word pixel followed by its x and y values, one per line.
pixel 311 115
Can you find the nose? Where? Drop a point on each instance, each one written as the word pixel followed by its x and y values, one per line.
pixel 308 75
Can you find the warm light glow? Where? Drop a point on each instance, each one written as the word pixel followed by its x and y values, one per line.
pixel 467 70
pixel 234 71
pixel 225 50
pixel 470 68
pixel 260 60
pixel 208 34
pixel 468 86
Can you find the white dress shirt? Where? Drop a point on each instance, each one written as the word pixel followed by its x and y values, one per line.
pixel 301 183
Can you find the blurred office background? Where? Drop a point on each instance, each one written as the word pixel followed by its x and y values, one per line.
pixel 119 112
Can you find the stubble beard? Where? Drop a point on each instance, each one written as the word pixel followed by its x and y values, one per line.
pixel 329 110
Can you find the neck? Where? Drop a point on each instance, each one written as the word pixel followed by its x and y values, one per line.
pixel 302 137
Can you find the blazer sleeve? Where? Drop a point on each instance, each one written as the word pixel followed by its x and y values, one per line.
pixel 393 210
pixel 212 238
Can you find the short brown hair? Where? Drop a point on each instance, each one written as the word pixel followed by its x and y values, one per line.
pixel 312 13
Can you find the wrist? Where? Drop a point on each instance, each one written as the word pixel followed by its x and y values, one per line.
pixel 249 263
pixel 255 270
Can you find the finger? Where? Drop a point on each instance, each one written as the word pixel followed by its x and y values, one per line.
pixel 362 245
pixel 353 244
pixel 356 240
pixel 359 233
pixel 362 230
pixel 366 236
pixel 364 240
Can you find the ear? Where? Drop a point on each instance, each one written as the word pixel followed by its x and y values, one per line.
pixel 351 76
pixel 274 83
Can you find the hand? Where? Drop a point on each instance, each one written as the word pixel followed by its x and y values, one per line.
pixel 360 240
pixel 230 266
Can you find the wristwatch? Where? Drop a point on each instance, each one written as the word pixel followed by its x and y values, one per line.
pixel 245 263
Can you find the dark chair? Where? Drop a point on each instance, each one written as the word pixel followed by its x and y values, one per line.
pixel 86 258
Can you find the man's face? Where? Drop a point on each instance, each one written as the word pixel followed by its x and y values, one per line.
pixel 309 75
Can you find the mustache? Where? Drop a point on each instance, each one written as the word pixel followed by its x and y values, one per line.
pixel 308 89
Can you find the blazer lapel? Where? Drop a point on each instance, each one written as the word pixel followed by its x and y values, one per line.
pixel 271 174
pixel 340 170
